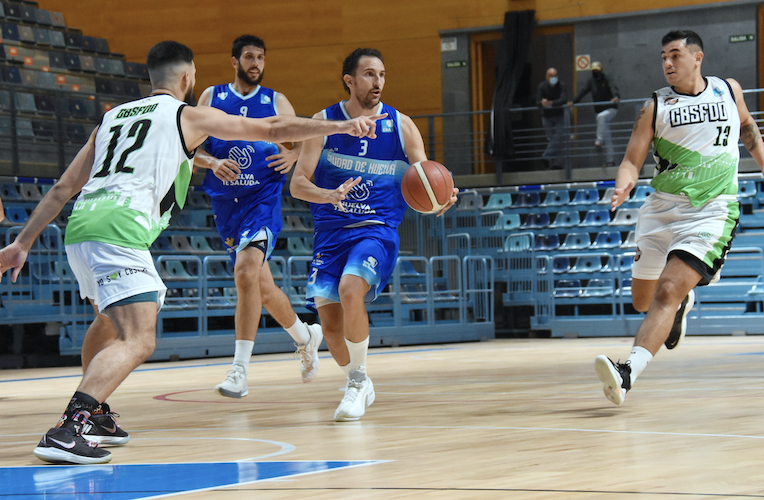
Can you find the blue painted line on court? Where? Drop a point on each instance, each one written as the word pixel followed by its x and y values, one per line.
pixel 164 368
pixel 144 481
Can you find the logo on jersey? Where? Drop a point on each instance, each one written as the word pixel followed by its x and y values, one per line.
pixel 361 192
pixel 718 92
pixel 670 100
pixel 387 125
pixel 698 113
pixel 705 235
pixel 222 95
pixel 265 99
pixel 370 263
pixel 242 156
pixel 638 255
pixel 229 242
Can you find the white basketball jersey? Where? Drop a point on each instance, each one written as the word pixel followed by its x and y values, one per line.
pixel 139 156
pixel 696 142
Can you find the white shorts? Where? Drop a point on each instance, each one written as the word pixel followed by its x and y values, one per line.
pixel 109 273
pixel 669 223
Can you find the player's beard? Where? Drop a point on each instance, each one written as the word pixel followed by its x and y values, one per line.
pixel 245 78
pixel 190 98
pixel 370 101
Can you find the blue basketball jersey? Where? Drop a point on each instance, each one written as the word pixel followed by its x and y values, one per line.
pixel 380 163
pixel 255 176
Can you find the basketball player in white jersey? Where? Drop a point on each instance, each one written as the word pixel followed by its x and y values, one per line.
pixel 132 174
pixel 686 227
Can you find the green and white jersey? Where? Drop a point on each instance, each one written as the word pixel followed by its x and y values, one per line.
pixel 696 142
pixel 141 172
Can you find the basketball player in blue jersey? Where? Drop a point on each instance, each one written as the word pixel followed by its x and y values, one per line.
pixel 244 182
pixel 356 241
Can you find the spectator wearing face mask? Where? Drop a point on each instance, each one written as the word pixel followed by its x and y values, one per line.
pixel 551 98
pixel 602 89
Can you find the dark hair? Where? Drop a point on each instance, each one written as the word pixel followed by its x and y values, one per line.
pixel 689 37
pixel 243 41
pixel 167 53
pixel 351 62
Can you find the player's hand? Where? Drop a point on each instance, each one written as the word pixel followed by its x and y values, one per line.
pixel 225 169
pixel 338 195
pixel 365 126
pixel 12 257
pixel 283 161
pixel 451 202
pixel 620 195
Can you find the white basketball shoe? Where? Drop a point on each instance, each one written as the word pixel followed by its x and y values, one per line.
pixel 235 383
pixel 359 395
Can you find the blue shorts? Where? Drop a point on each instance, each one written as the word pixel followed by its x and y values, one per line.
pixel 369 252
pixel 242 221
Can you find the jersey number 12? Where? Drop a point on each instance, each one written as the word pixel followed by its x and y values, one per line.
pixel 141 128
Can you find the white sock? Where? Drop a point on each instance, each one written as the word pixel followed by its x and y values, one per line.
pixel 357 351
pixel 638 360
pixel 298 331
pixel 243 353
pixel 347 369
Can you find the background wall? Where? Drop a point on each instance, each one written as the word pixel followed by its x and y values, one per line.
pixel 307 40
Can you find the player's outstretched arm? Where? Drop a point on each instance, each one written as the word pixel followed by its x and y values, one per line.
pixel 199 122
pixel 76 175
pixel 285 159
pixel 416 153
pixel 749 129
pixel 636 152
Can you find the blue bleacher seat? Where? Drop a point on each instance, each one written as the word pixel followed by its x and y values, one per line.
pixel 561 264
pixel 217 269
pixel 26 34
pixel 517 243
pixel 133 89
pixel 28 13
pixel 24 128
pixel 587 264
pixel 624 263
pixel 746 189
pixel 556 197
pixel 117 87
pixel 117 68
pixel 87 63
pixel 10 31
pixel 132 70
pixel 625 217
pixel 607 239
pixel 12 10
pixel 198 199
pixel 102 65
pixel 567 288
pixel 596 218
pixel 16 214
pixel 641 193
pixel 56 59
pixel 630 241
pixel 9 191
pixel 585 197
pixel 547 242
pixel 607 196
pixel 57 39
pixel 73 40
pixel 76 133
pixel 72 62
pixel 101 46
pixel 45 129
pixel 42 16
pixel 103 86
pixel 598 288
pixel 173 270
pixel 506 222
pixel 162 245
pixel 88 43
pixel 527 200
pixel 498 201
pixel 200 244
pixel 576 241
pixel 536 221
pixel 30 192
pixel 297 246
pixel 45 103
pixel 46 80
pixel 566 219
pixel 11 74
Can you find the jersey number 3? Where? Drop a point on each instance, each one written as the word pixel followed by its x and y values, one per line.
pixel 139 128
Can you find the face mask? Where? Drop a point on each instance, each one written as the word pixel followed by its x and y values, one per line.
pixel 553 80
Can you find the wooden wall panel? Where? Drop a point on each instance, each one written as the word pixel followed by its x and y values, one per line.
pixel 307 39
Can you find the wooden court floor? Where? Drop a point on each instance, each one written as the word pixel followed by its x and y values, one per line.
pixel 519 419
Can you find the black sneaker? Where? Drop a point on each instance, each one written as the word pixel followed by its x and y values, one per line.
pixel 615 376
pixel 102 427
pixel 59 445
pixel 680 321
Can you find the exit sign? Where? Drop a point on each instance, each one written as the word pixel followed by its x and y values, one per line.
pixel 742 38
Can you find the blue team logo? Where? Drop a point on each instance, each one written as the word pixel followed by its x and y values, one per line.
pixel 222 95
pixel 265 99
pixel 718 92
pixel 387 125
pixel 361 192
pixel 371 264
pixel 242 156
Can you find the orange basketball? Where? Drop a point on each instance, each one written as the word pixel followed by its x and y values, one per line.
pixel 427 186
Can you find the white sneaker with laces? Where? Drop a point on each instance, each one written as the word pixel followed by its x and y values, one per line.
pixel 309 353
pixel 235 383
pixel 359 395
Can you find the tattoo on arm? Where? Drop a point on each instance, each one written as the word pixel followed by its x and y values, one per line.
pixel 750 136
pixel 639 115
